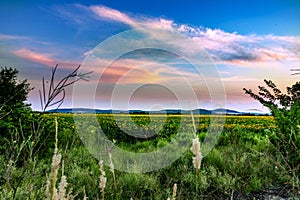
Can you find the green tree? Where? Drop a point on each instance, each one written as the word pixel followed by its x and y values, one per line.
pixel 284 107
pixel 13 92
pixel 286 111
pixel 13 109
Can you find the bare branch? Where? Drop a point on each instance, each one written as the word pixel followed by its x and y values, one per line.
pixel 55 90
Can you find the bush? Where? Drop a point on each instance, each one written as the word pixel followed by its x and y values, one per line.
pixel 14 113
pixel 286 139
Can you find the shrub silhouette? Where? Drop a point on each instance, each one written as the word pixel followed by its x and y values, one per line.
pixel 286 111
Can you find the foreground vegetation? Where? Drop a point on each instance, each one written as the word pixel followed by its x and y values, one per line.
pixel 243 162
pixel 42 155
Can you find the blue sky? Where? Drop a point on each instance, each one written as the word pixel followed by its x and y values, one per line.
pixel 247 40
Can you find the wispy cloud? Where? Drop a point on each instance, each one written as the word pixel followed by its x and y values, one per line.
pixel 103 12
pixel 236 48
pixel 76 13
pixel 34 56
pixel 42 58
pixel 12 37
pixel 112 14
pixel 223 46
pixel 139 71
pixel 227 49
pixel 21 39
pixel 239 79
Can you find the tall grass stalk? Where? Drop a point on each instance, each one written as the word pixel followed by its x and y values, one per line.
pixel 174 192
pixel 62 185
pixel 194 124
pixel 51 191
pixel 195 149
pixel 103 178
pixel 84 194
pixel 112 169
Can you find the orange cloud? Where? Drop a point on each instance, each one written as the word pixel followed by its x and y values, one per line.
pixel 136 71
pixel 42 58
pixel 35 57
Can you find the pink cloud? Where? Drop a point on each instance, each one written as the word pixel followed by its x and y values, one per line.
pixel 35 57
pixel 239 79
pixel 104 12
pixel 42 58
pixel 136 71
pixel 223 47
pixel 240 49
pixel 112 14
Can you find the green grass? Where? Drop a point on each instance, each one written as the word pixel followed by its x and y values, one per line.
pixel 243 161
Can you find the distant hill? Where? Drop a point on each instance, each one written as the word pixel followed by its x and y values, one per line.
pixel 167 111
pixel 225 111
pixel 79 110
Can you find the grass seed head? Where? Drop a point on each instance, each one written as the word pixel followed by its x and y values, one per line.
pixel 197 153
pixel 174 191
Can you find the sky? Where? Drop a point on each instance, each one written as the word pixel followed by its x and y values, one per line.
pixel 205 51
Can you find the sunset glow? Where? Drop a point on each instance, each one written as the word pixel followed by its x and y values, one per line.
pixel 246 44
